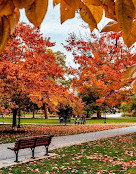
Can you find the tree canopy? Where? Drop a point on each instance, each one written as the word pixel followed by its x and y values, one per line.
pixel 29 70
pixel 102 62
pixel 122 13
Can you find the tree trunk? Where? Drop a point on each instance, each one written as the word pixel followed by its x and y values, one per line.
pixel 33 114
pixel 65 122
pixel 98 114
pixel 45 111
pixel 19 116
pixel 14 122
pixel 87 116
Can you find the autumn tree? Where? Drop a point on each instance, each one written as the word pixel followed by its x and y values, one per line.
pixel 102 62
pixel 14 87
pixel 69 105
pixel 121 12
pixel 28 70
pixel 89 97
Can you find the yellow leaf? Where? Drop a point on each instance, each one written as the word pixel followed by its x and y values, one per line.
pixel 55 2
pixel 6 8
pixel 70 2
pixel 4 32
pixel 111 26
pixel 97 12
pixel 92 2
pixel 107 5
pixel 130 38
pixel 134 85
pixel 2 4
pixel 66 11
pixel 88 17
pixel 13 20
pixel 109 12
pixel 75 4
pixel 22 3
pixel 128 75
pixel 125 12
pixel 37 11
pixel 134 2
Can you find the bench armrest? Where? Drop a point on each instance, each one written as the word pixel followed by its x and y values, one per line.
pixel 11 148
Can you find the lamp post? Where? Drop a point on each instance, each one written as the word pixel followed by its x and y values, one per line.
pixel 19 115
pixel 105 121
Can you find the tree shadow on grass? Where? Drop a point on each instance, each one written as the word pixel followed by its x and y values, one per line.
pixel 12 131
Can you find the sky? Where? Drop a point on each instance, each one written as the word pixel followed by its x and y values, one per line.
pixel 52 27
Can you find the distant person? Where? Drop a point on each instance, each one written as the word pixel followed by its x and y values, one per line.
pixel 81 119
pixel 76 120
pixel 84 119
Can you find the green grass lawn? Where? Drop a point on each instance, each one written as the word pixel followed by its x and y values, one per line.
pixel 31 120
pixel 56 121
pixel 112 120
pixel 113 155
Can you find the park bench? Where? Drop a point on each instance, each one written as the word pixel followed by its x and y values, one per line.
pixel 31 142
pixel 64 120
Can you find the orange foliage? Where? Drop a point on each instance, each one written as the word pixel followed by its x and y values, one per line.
pixel 121 12
pixel 29 69
pixel 102 63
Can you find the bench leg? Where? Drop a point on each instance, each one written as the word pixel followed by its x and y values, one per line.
pixel 47 150
pixel 16 153
pixel 32 149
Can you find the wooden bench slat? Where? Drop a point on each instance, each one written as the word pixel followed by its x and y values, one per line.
pixel 31 142
pixel 42 136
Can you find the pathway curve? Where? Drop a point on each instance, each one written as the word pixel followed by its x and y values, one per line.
pixel 7 156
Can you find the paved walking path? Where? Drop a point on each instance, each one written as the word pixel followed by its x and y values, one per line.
pixel 7 156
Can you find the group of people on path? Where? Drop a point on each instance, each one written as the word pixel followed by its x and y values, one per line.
pixel 82 118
